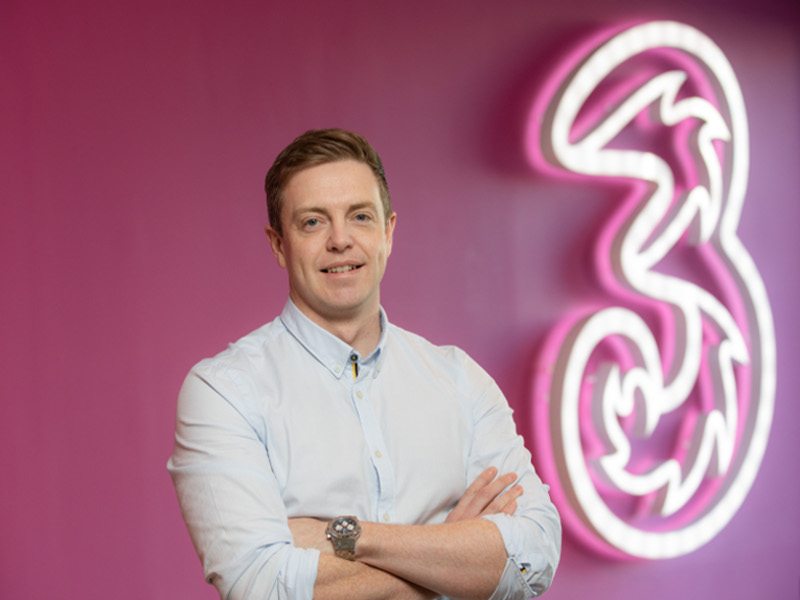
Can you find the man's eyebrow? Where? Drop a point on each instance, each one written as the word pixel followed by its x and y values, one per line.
pixel 325 210
pixel 308 209
pixel 311 209
pixel 361 206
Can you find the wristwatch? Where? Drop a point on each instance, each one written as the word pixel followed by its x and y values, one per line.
pixel 343 533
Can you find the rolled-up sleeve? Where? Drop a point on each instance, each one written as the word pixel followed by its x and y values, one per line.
pixel 532 535
pixel 533 555
pixel 230 498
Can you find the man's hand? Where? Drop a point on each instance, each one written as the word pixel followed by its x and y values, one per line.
pixel 485 496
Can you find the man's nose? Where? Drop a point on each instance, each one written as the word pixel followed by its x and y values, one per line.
pixel 340 238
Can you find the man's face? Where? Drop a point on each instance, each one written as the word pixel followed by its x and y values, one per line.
pixel 335 241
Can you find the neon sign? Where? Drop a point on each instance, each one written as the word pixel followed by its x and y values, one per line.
pixel 652 411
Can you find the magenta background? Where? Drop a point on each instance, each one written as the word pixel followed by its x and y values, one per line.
pixel 133 143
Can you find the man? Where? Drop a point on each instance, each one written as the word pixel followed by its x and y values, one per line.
pixel 329 453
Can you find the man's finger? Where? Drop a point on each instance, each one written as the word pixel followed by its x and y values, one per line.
pixel 510 508
pixel 489 493
pixel 479 497
pixel 481 481
pixel 501 503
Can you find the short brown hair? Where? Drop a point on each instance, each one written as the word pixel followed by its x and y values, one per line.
pixel 316 147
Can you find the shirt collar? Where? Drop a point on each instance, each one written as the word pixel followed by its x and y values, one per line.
pixel 329 350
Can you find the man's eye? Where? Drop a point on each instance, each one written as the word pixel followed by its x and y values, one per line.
pixel 363 217
pixel 312 222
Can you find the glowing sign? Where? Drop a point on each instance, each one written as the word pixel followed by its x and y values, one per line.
pixel 652 412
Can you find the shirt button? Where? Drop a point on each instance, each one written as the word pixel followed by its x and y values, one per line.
pixel 386 517
pixel 378 454
pixel 359 394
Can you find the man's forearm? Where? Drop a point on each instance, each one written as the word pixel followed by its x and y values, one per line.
pixel 339 579
pixel 464 559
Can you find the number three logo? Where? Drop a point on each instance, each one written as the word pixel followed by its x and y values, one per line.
pixel 652 412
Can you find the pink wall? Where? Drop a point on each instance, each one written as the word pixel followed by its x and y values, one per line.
pixel 134 142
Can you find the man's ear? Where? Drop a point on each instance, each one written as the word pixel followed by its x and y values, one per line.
pixel 390 225
pixel 276 243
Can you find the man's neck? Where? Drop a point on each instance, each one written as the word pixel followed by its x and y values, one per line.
pixel 362 332
pixel 364 337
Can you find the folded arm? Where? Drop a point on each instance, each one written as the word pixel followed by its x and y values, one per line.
pixel 461 558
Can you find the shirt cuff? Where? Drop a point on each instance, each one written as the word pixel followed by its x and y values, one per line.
pixel 528 572
pixel 512 585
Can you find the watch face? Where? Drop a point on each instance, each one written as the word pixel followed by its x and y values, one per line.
pixel 343 533
pixel 345 527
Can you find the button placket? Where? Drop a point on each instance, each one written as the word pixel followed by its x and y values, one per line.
pixel 376 446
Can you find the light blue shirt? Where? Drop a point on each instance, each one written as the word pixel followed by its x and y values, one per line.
pixel 279 426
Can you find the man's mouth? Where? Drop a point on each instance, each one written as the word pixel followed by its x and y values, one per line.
pixel 342 269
